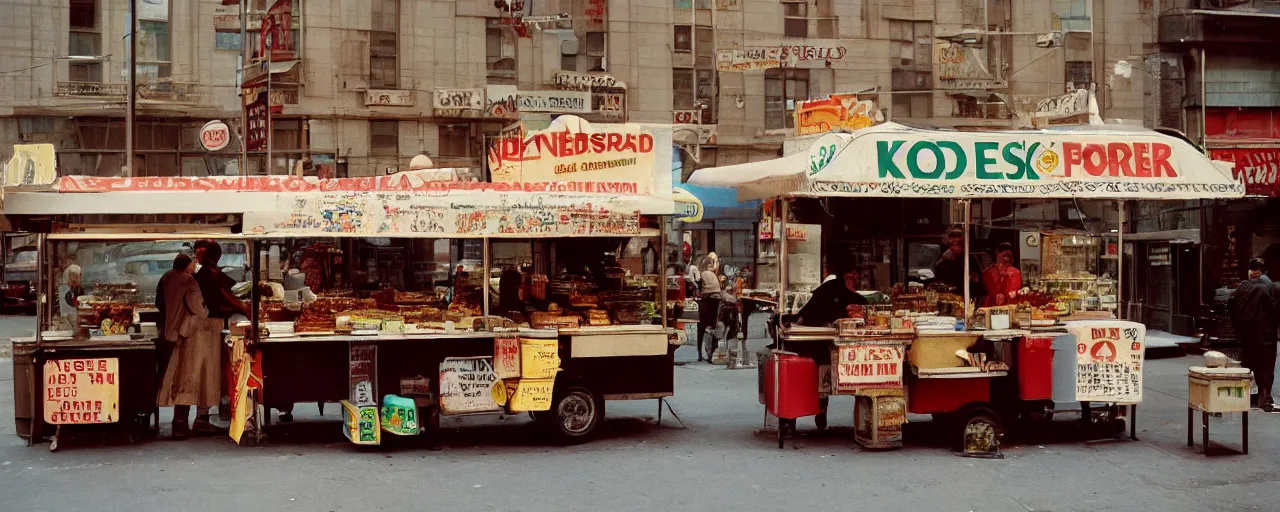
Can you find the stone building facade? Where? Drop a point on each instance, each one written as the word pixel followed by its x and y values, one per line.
pixel 365 85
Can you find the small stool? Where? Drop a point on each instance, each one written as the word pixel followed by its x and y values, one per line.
pixel 1217 390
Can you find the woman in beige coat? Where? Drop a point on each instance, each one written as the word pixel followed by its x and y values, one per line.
pixel 192 375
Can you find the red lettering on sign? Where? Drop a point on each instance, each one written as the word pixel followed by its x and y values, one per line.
pixel 1160 154
pixel 1071 157
pixel 1119 155
pixel 1095 159
pixel 1142 160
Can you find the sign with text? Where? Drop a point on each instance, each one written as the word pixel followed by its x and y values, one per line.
pixel 1109 356
pixel 959 66
pixel 566 102
pixel 388 98
pixel 868 365
pixel 506 357
pixel 362 364
pixel 539 358
pixel 908 162
pixel 1258 167
pixel 770 57
pixel 621 152
pixel 573 81
pixel 458 99
pixel 82 391
pixel 837 112
pixel 466 385
pixel 531 394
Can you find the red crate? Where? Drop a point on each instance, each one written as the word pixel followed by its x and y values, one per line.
pixel 791 386
pixel 1035 368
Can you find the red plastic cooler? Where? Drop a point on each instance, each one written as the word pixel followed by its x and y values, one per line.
pixel 1035 368
pixel 791 386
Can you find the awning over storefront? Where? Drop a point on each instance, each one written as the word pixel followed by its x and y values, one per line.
pixel 715 203
pixel 892 160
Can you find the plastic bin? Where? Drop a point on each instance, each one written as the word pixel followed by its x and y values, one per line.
pixel 791 386
pixel 1035 368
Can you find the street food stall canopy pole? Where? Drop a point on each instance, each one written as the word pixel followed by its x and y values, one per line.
pixel 967 212
pixel 1120 306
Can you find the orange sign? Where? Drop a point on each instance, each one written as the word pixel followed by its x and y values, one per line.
pixel 839 111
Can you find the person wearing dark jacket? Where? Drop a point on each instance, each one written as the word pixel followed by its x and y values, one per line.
pixel 831 300
pixel 1253 314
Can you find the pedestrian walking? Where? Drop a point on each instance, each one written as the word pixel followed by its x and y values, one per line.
pixel 708 305
pixel 1253 314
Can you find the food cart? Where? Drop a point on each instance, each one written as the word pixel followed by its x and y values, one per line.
pixel 976 368
pixel 384 295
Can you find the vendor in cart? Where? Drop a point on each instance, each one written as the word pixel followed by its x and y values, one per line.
pixel 833 299
pixel 1002 280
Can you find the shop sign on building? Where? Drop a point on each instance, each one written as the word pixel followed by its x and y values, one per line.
pixel 388 97
pixel 215 135
pixel 567 102
pixel 573 81
pixel 837 112
pixel 500 102
pixel 957 66
pixel 1258 167
pixel 686 117
pixel 458 102
pixel 770 57
pixel 621 152
pixel 81 391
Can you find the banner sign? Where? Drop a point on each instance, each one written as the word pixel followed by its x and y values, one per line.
pixel 81 391
pixel 864 366
pixel 510 215
pixel 277 30
pixel 466 385
pixel 770 57
pixel 1109 361
pixel 620 152
pixel 896 161
pixel 837 112
pixel 418 182
pixel 1258 167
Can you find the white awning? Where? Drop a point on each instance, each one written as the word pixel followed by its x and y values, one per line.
pixel 892 160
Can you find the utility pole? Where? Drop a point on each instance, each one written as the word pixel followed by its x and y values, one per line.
pixel 244 62
pixel 131 89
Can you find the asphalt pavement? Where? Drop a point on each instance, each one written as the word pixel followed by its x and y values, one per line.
pixel 713 462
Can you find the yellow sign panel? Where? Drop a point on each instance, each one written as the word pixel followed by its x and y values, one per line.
pixel 532 395
pixel 836 112
pixel 79 391
pixel 539 359
pixel 240 402
pixel 32 164
pixel 362 423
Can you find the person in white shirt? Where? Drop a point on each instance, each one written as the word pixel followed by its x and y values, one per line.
pixel 708 305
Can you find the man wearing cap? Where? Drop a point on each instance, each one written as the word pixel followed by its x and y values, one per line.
pixel 1253 314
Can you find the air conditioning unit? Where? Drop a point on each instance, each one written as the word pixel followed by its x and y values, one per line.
pixel 569 47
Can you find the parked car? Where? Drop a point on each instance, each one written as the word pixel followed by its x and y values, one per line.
pixel 19 283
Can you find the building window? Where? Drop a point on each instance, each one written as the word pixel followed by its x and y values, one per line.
pixel 795 19
pixel 153 44
pixel 1073 15
pixel 908 106
pixel 597 50
pixel 384 39
pixel 1079 73
pixel 286 133
pixel 499 53
pixel 455 140
pixel 783 88
pixel 384 138
pixel 85 40
pixel 684 38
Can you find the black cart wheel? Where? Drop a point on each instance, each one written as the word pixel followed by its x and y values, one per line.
pixel 979 432
pixel 574 416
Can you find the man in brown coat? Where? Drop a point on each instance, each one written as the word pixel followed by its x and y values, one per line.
pixel 185 377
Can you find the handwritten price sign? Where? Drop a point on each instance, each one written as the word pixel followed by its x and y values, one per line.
pixel 863 366
pixel 1109 357
pixel 78 391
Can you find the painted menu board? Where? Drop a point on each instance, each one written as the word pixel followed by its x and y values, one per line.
pixel 1109 357
pixel 82 391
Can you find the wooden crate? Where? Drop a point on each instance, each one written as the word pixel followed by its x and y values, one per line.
pixel 1219 391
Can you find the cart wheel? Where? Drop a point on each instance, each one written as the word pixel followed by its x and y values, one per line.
pixel 575 413
pixel 979 433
